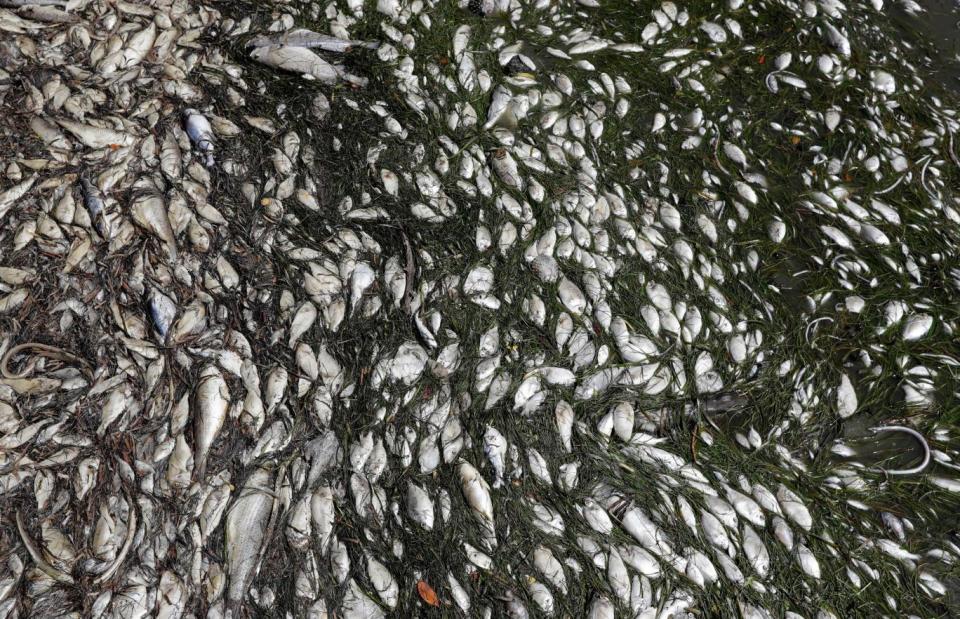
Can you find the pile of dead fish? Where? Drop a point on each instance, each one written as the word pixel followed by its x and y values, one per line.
pixel 587 320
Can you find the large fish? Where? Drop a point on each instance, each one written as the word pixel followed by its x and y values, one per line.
pixel 302 37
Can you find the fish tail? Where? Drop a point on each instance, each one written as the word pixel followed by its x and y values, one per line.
pixel 200 470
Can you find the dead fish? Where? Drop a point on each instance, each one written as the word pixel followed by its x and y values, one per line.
pixel 303 61
pixel 94 136
pixel 200 132
pixel 93 200
pixel 150 212
pixel 211 402
pixel 302 37
pixel 476 491
pixel 506 168
pixel 10 196
pixel 245 531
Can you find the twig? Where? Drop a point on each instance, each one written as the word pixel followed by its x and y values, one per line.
pixel 411 271
pixel 38 557
pixel 51 352
pixel 693 442
pixel 806 335
pixel 891 187
pixel 125 550
pixel 923 442
pixel 716 158
pixel 953 156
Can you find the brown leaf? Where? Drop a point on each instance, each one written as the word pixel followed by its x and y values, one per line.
pixel 427 594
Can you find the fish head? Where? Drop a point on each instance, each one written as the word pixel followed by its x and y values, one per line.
pixel 260 53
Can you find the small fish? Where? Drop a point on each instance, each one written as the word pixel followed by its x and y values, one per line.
pixel 245 532
pixel 162 310
pixel 419 506
pixel 200 132
pixel 475 490
pixel 357 605
pixel 383 582
pixel 93 200
pixel 498 106
pixel 91 196
pixel 495 449
pixel 757 555
pixel 323 514
pixel 212 400
pixel 150 212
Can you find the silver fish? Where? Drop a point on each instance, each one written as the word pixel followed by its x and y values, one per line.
pixel 200 132
pixel 211 401
pixel 246 530
pixel 302 37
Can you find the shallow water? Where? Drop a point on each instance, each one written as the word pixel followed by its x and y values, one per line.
pixel 939 26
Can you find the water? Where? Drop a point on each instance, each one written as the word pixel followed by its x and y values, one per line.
pixel 939 27
pixel 804 320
